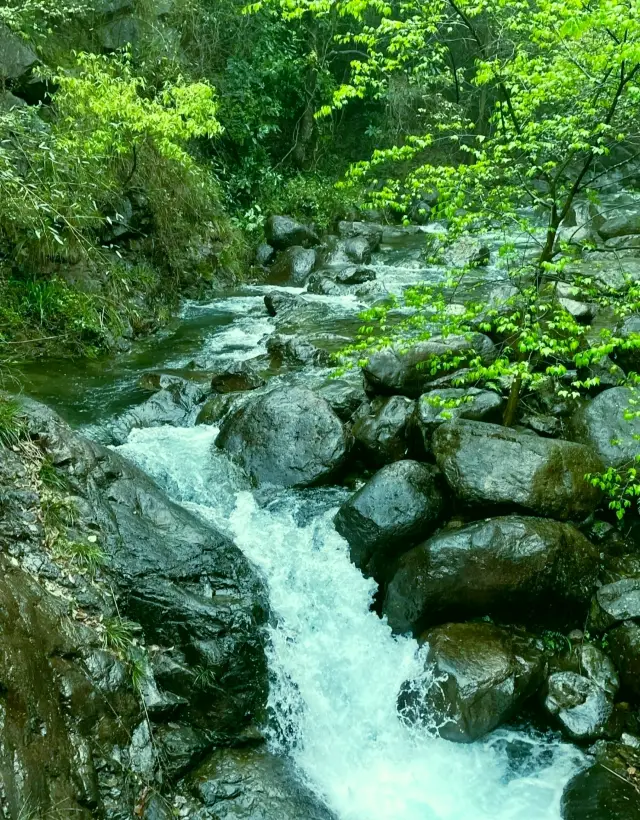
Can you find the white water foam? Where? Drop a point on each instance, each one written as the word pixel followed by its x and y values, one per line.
pixel 337 669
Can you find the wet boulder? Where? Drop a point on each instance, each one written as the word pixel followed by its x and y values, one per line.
pixel 279 303
pixel 614 603
pixel 624 650
pixel 293 266
pixel 581 707
pixel 399 506
pixel 216 407
pixel 623 224
pixel 409 372
pixel 265 254
pixel 344 396
pixel 602 425
pixel 296 350
pixel 477 676
pixel 605 790
pixel 236 378
pixel 289 437
pixel 172 405
pixel 369 231
pixel 382 428
pixel 467 252
pixel 532 569
pixel 439 406
pixel 359 275
pixel 283 232
pixel 358 250
pixel 488 464
pixel 250 783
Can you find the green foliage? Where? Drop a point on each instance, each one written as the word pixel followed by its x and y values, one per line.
pixel 82 556
pixel 62 182
pixel 106 113
pixel 11 424
pixel 50 477
pixel 119 634
pixel 36 18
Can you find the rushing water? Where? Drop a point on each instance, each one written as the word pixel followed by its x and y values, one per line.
pixel 336 668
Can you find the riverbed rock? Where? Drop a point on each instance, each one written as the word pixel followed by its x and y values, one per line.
pixel 400 505
pixel 614 603
pixel 382 428
pixel 358 250
pixel 251 784
pixel 409 372
pixel 237 377
pixel 172 406
pixel 344 396
pixel 532 569
pixel 602 425
pixel 296 350
pixel 629 332
pixel 359 275
pixel 581 707
pixel 439 406
pixel 265 254
pixel 605 790
pixel 45 686
pixel 366 230
pixel 283 232
pixel 624 224
pixel 624 650
pixel 289 437
pixel 278 303
pixel 488 464
pixel 216 407
pixel 467 252
pixel 481 675
pixel 292 266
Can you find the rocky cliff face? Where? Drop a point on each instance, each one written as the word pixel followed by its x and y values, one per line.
pixel 132 639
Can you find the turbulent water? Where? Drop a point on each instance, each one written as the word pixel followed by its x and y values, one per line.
pixel 336 667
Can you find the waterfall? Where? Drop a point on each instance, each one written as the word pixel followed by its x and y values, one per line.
pixel 336 668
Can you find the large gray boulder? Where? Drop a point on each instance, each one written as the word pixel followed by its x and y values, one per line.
pixel 614 603
pixel 514 566
pixel 283 232
pixel 409 372
pixel 362 230
pixel 400 505
pixel 382 428
pixel 481 675
pixel 164 591
pixel 486 463
pixel 602 425
pixel 293 266
pixel 344 395
pixel 624 224
pixel 581 707
pixel 16 58
pixel 624 649
pixel 288 438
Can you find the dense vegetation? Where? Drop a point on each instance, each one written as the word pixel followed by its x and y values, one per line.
pixel 158 137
